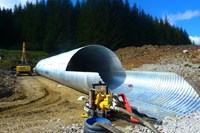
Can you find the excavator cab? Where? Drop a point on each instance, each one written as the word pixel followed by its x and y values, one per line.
pixel 23 67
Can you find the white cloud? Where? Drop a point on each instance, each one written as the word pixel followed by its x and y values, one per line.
pixel 188 14
pixel 11 3
pixel 195 39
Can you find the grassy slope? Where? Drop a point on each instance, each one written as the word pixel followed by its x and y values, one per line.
pixel 11 57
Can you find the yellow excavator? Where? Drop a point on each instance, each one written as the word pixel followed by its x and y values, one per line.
pixel 23 67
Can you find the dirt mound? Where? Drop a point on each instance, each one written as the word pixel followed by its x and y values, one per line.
pixel 134 57
pixel 183 60
pixel 7 83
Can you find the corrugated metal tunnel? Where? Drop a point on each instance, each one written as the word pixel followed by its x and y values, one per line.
pixel 82 67
pixel 95 59
pixel 152 93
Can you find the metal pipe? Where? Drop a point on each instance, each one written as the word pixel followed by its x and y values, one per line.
pixel 157 94
pixel 82 67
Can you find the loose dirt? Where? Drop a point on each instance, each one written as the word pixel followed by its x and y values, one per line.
pixel 39 105
pixel 183 60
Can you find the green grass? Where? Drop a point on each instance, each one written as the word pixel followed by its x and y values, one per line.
pixel 11 57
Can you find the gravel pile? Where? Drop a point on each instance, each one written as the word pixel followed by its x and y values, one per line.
pixel 181 124
pixel 188 123
pixel 74 128
pixel 179 65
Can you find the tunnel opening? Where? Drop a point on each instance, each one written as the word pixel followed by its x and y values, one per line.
pixel 95 59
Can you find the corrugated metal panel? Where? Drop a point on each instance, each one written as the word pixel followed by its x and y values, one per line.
pixel 80 68
pixel 157 94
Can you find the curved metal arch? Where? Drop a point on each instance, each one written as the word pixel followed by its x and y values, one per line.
pixel 71 68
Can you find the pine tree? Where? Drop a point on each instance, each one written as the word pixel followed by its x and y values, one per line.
pixel 58 25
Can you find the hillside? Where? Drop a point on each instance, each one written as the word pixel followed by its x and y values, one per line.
pixel 9 58
pixel 183 60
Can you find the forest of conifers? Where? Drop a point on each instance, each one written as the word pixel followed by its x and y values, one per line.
pixel 60 25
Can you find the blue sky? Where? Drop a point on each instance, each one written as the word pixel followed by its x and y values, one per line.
pixel 180 13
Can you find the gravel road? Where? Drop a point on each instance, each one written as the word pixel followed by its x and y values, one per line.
pixel 40 105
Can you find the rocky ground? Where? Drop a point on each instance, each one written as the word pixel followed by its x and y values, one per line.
pixel 183 60
pixel 41 105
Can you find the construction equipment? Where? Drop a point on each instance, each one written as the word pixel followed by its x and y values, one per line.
pixel 23 67
pixel 102 103
pixel 99 101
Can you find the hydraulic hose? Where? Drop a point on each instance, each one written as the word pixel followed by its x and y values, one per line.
pixel 142 121
pixel 108 127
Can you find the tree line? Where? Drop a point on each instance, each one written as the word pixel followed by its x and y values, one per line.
pixel 60 25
